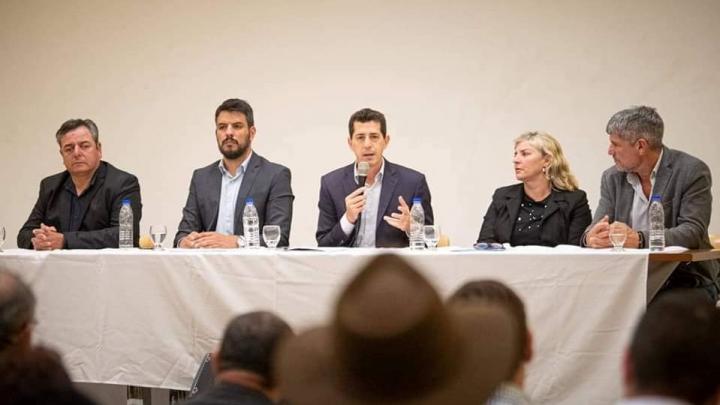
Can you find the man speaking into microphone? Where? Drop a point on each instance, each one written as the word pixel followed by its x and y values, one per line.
pixel 365 203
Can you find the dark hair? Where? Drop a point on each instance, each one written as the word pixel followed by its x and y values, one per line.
pixel 675 350
pixel 76 123
pixel 367 115
pixel 237 105
pixel 638 122
pixel 250 341
pixel 482 292
pixel 17 307
pixel 37 376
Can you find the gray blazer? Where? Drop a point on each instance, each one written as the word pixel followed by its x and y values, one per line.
pixel 266 182
pixel 684 183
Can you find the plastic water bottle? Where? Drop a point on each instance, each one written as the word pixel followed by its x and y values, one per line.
pixel 251 224
pixel 417 221
pixel 656 215
pixel 126 225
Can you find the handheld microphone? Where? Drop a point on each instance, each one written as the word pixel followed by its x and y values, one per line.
pixel 362 171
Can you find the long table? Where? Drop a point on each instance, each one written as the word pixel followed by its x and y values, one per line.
pixel 147 318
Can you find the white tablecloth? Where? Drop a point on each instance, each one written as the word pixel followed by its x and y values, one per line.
pixel 147 317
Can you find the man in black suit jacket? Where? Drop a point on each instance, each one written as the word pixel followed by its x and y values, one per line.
pixel 342 201
pixel 79 208
pixel 243 366
pixel 212 217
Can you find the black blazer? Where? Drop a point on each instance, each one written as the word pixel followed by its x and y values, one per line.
pixel 100 226
pixel 565 219
pixel 397 181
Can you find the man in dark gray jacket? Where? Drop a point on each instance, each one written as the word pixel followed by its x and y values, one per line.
pixel 212 217
pixel 79 208
pixel 243 365
pixel 644 167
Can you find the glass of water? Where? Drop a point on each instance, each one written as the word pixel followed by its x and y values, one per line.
pixel 157 233
pixel 271 235
pixel 617 237
pixel 431 235
pixel 2 237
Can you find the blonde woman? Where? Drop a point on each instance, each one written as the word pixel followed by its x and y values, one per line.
pixel 547 208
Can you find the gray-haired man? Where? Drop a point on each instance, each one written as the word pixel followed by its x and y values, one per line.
pixel 17 313
pixel 643 167
pixel 79 207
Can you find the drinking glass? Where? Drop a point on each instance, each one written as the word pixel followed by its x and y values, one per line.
pixel 617 237
pixel 271 235
pixel 431 235
pixel 2 237
pixel 157 233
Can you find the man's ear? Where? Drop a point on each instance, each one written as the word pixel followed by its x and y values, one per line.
pixel 627 373
pixel 528 355
pixel 215 362
pixel 252 131
pixel 642 145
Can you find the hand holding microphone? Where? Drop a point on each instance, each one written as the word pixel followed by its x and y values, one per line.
pixel 355 201
pixel 362 171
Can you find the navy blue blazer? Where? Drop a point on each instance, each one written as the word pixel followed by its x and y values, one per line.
pixel 397 181
pixel 565 218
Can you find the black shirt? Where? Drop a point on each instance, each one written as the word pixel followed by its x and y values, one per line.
pixel 527 229
pixel 78 204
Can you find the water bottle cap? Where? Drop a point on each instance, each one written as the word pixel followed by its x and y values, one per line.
pixel 249 201
pixel 655 197
pixel 417 200
pixel 126 201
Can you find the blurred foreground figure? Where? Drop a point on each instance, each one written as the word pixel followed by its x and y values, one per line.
pixel 243 365
pixel 392 341
pixel 482 293
pixel 674 356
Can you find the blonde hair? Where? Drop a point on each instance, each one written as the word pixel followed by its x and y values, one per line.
pixel 558 170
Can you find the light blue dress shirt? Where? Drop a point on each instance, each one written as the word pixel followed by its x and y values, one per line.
pixel 641 204
pixel 368 219
pixel 228 197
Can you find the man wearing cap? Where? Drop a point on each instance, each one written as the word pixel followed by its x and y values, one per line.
pixel 79 208
pixel 391 340
pixel 375 214
pixel 212 217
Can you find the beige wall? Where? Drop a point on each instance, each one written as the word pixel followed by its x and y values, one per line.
pixel 457 81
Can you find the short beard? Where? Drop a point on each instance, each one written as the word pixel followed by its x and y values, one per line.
pixel 233 154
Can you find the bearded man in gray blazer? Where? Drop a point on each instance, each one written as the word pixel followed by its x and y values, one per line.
pixel 645 167
pixel 212 217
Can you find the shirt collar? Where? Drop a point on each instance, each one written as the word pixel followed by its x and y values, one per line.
pixel 634 179
pixel 70 186
pixel 243 167
pixel 378 178
pixel 653 174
